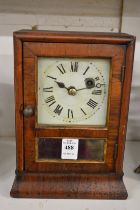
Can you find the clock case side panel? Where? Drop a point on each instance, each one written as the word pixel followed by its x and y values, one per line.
pixel 18 83
pixel 127 78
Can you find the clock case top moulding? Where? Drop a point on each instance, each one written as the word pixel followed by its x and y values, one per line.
pixel 33 181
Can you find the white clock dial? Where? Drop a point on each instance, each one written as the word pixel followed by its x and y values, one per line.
pixel 73 91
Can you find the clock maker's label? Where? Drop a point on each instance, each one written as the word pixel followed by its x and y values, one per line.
pixel 69 149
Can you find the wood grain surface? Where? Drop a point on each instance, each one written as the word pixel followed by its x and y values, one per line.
pixel 99 180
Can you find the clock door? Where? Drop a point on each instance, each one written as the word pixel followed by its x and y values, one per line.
pixel 72 98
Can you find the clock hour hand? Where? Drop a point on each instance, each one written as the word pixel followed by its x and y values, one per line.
pixel 61 84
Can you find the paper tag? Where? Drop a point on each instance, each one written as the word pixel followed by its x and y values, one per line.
pixel 69 149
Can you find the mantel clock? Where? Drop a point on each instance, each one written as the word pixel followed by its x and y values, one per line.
pixel 72 95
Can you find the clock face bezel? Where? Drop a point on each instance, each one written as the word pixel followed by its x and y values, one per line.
pixel 33 50
pixel 46 125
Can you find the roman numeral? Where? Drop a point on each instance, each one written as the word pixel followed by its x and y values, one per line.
pixel 74 66
pixel 83 111
pixel 61 69
pixel 86 70
pixel 92 103
pixel 50 100
pixel 58 109
pixel 70 113
pixel 51 77
pixel 97 92
pixel 49 89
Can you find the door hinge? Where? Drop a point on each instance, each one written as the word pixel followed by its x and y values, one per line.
pixel 123 73
pixel 115 151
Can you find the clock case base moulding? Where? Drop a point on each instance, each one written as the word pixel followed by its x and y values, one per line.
pixel 32 185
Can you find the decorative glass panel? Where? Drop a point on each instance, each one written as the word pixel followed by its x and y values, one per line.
pixel 88 149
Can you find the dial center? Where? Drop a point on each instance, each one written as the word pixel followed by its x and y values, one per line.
pixel 72 91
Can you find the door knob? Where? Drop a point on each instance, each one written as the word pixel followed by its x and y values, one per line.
pixel 28 111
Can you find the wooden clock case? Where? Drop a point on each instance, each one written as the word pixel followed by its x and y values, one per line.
pixel 67 179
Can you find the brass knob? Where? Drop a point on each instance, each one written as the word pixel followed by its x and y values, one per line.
pixel 28 111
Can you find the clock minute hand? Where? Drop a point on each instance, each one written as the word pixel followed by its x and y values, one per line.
pixel 84 88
